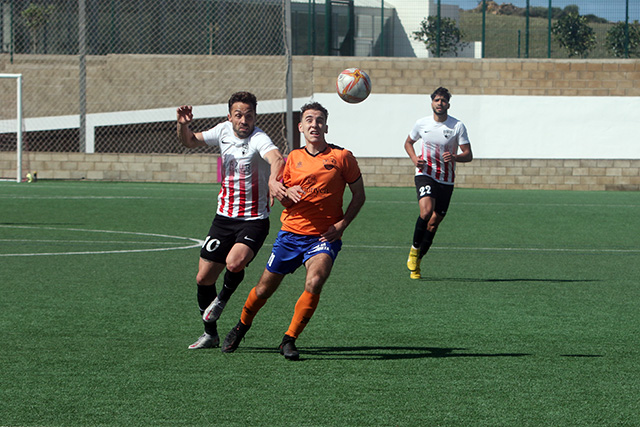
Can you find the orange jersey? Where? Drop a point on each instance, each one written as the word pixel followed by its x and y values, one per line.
pixel 323 178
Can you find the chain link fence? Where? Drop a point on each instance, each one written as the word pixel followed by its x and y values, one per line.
pixel 164 41
pixel 504 29
pixel 153 35
pixel 594 29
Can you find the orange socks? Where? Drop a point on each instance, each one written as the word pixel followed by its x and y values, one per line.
pixel 251 307
pixel 306 305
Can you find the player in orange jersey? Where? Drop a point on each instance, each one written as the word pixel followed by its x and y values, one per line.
pixel 312 226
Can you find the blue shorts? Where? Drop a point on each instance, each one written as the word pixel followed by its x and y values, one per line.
pixel 291 250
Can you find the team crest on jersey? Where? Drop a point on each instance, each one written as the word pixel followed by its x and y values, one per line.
pixel 299 165
pixel 309 185
pixel 309 181
pixel 447 133
pixel 329 164
pixel 230 164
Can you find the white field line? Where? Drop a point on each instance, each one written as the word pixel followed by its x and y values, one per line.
pixel 213 193
pixel 453 248
pixel 590 205
pixel 115 242
pixel 369 202
pixel 194 243
pixel 99 197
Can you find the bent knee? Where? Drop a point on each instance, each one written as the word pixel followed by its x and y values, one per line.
pixel 426 215
pixel 203 279
pixel 264 291
pixel 237 261
pixel 314 284
pixel 236 267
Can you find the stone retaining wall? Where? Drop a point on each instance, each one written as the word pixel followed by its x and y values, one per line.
pixel 154 81
pixel 555 174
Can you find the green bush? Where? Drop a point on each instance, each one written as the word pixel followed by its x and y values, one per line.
pixel 450 35
pixel 616 40
pixel 574 34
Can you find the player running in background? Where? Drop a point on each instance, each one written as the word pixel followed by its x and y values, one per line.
pixel 251 173
pixel 443 142
pixel 312 226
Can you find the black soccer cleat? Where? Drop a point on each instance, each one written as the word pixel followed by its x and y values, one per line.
pixel 288 348
pixel 232 341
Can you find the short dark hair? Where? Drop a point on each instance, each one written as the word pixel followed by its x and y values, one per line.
pixel 245 98
pixel 441 91
pixel 314 106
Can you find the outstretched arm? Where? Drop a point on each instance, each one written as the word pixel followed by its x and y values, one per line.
pixel 186 135
pixel 357 200
pixel 276 188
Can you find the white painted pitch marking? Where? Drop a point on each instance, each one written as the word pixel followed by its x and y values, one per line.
pixel 197 243
pixel 451 248
pixel 564 205
pixel 194 242
pixel 130 242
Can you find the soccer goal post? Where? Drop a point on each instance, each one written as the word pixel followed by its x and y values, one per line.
pixel 15 125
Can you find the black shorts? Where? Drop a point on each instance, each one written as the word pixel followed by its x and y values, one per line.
pixel 226 232
pixel 441 193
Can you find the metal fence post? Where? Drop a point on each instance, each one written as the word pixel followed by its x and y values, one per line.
pixel 289 77
pixel 626 31
pixel 484 25
pixel 11 45
pixel 19 128
pixel 314 33
pixel 311 17
pixel 438 32
pixel 328 30
pixel 549 15
pixel 82 50
pixel 526 34
pixel 112 28
pixel 381 27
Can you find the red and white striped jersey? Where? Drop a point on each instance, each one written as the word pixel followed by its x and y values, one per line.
pixel 245 177
pixel 435 139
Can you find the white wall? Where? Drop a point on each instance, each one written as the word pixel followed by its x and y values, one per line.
pixel 410 14
pixel 500 127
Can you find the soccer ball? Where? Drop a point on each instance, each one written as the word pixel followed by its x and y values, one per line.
pixel 353 85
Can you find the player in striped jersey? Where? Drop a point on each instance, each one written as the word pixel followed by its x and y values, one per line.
pixel 252 169
pixel 313 222
pixel 443 143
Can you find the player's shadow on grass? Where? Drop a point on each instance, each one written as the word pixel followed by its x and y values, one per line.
pixel 388 353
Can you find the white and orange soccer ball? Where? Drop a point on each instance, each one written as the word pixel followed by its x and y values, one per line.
pixel 353 85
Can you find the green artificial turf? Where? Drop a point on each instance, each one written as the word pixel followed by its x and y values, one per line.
pixel 527 314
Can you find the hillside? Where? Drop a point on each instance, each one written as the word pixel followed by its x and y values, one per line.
pixel 502 36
